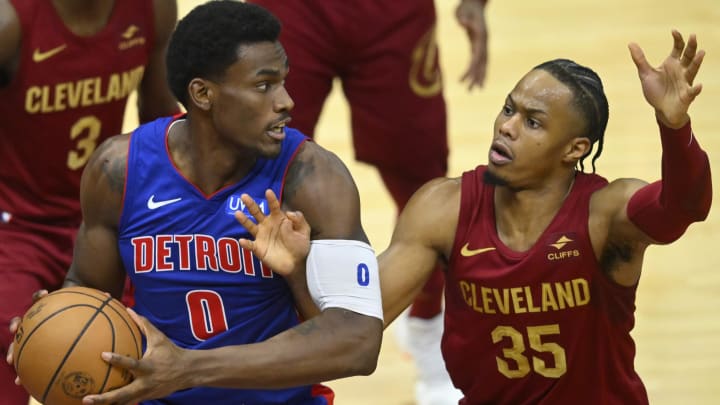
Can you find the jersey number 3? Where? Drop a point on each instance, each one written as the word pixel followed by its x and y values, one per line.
pixel 85 146
pixel 516 352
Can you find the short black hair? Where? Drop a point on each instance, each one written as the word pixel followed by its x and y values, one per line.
pixel 206 41
pixel 588 96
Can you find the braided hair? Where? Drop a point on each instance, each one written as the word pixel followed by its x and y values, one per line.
pixel 588 97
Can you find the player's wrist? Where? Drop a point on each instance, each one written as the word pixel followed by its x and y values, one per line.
pixel 194 369
pixel 675 123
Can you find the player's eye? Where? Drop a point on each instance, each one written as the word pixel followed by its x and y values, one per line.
pixel 263 86
pixel 532 123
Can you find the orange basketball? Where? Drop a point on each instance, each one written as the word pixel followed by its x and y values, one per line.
pixel 58 345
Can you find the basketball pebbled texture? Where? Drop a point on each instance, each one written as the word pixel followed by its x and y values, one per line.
pixel 59 341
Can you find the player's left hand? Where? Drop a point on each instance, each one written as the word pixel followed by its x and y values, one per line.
pixel 14 325
pixel 282 238
pixel 471 16
pixel 158 374
pixel 669 88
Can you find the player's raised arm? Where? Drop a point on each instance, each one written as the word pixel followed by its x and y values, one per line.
pixel 661 212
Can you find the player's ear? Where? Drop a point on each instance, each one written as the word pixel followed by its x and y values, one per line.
pixel 576 149
pixel 201 93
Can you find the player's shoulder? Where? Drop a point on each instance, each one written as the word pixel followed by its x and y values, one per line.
pixel 114 147
pixel 439 188
pixel 103 180
pixel 314 161
pixel 110 159
pixel 316 171
pixel 431 214
pixel 610 199
pixel 438 198
pixel 620 189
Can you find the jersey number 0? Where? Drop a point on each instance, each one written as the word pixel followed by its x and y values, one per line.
pixel 207 313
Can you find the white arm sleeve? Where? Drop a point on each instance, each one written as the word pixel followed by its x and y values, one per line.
pixel 344 274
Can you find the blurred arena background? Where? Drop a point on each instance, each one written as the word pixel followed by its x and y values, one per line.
pixel 677 320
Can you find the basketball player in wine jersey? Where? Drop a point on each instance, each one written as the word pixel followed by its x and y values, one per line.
pixel 544 259
pixel 66 71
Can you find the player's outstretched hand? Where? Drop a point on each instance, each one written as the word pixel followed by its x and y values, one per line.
pixel 669 88
pixel 158 374
pixel 282 239
pixel 471 16
pixel 14 324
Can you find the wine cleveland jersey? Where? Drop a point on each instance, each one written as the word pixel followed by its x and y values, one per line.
pixel 67 95
pixel 545 326
pixel 192 279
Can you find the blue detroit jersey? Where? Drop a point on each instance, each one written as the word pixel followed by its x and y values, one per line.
pixel 192 279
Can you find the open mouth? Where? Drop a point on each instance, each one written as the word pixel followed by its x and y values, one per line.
pixel 500 154
pixel 277 131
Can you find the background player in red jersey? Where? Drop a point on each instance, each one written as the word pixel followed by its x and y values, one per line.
pixel 385 55
pixel 66 70
pixel 543 259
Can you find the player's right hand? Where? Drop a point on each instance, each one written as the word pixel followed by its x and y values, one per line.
pixel 163 369
pixel 282 238
pixel 670 87
pixel 15 323
pixel 470 15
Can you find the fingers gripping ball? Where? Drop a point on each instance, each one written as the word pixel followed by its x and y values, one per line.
pixel 59 341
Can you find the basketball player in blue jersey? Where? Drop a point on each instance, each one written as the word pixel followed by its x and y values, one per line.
pixel 544 259
pixel 159 204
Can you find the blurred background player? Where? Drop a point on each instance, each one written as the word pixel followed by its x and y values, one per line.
pixel 67 68
pixel 385 55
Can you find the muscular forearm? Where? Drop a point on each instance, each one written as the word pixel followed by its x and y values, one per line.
pixel 664 209
pixel 336 344
pixel 303 300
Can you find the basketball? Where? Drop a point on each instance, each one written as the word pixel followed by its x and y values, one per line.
pixel 59 341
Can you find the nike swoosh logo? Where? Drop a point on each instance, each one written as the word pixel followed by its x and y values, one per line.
pixel 41 56
pixel 152 204
pixel 467 252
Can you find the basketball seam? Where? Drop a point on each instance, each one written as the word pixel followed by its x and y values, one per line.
pixel 39 324
pixel 138 350
pixel 109 366
pixel 131 329
pixel 98 310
